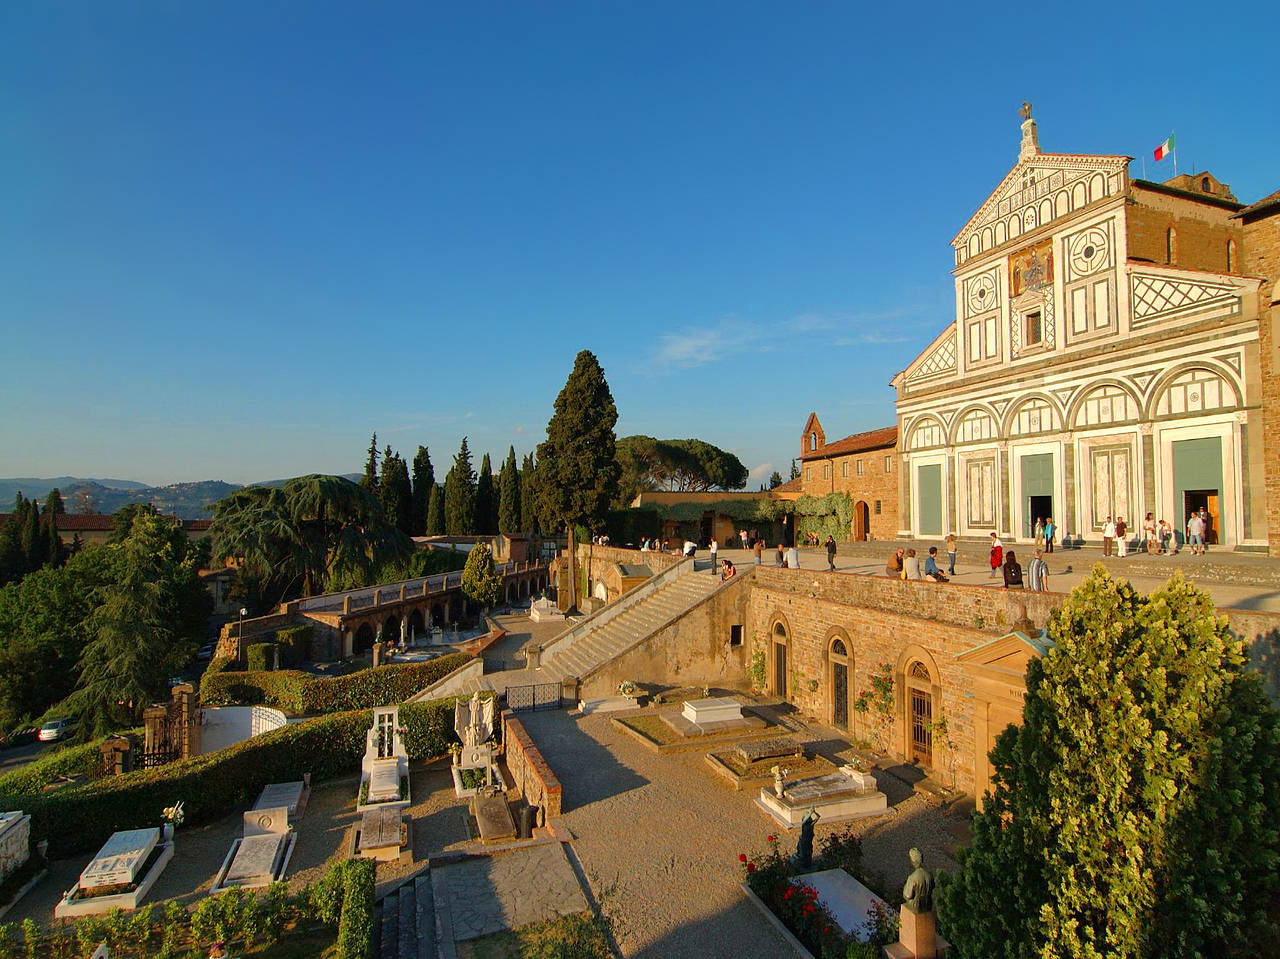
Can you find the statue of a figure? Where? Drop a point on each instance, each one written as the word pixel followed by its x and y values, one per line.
pixel 917 894
pixel 1025 111
pixel 779 780
pixel 803 858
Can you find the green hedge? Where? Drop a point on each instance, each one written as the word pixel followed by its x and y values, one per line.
pixel 80 818
pixel 355 926
pixel 303 694
pixel 261 657
pixel 295 644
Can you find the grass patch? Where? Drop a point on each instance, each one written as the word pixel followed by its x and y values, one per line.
pixel 652 728
pixel 569 937
pixel 312 944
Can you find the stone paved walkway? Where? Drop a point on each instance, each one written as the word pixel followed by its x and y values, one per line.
pixel 659 838
pixel 507 890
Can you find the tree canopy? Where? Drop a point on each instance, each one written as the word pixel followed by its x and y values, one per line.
pixel 486 503
pixel 509 494
pixel 685 465
pixel 460 494
pixel 395 491
pixel 424 481
pixel 1136 811
pixel 480 580
pixel 528 496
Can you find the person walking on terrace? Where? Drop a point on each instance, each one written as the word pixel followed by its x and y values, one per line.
pixel 715 548
pixel 1038 574
pixel 1050 531
pixel 997 554
pixel 1012 571
pixel 758 549
pixel 1108 536
pixel 831 553
pixel 1122 537
pixel 951 554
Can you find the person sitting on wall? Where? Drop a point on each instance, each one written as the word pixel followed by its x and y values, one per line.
pixel 728 570
pixel 1012 571
pixel 894 567
pixel 690 547
pixel 911 565
pixel 931 571
pixel 781 560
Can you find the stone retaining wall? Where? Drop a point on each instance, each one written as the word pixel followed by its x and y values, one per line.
pixel 602 556
pixel 530 772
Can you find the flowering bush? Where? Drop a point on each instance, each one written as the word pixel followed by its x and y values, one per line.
pixel 876 703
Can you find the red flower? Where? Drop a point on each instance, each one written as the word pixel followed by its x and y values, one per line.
pixel 790 890
pixel 751 867
pixel 742 857
pixel 771 838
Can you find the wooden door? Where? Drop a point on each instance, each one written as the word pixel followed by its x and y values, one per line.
pixel 840 695
pixel 1211 535
pixel 921 735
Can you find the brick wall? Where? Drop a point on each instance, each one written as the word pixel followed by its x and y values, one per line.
pixel 1202 231
pixel 820 477
pixel 533 777
pixel 1261 257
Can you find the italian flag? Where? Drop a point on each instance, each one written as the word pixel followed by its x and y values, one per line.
pixel 1164 149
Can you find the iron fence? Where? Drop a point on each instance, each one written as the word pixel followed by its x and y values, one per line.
pixel 533 696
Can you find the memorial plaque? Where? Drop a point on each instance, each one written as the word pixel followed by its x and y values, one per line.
pixel 255 860
pixel 281 794
pixel 819 788
pixel 384 781
pixel 120 859
pixel 717 710
pixel 261 822
pixel 379 828
pixel 493 816
pixel 767 749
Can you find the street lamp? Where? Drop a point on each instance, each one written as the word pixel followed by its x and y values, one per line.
pixel 240 635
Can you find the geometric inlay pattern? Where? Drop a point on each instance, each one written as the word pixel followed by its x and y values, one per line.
pixel 1089 252
pixel 942 359
pixel 1142 380
pixel 1156 296
pixel 1231 359
pixel 982 293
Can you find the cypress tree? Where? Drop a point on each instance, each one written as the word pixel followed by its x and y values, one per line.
pixel 486 502
pixel 528 497
pixel 53 505
pixel 54 552
pixel 577 464
pixel 509 494
pixel 395 492
pixel 370 479
pixel 435 511
pixel 424 481
pixel 460 494
pixel 34 543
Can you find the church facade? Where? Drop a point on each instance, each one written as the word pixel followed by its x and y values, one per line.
pixel 1103 362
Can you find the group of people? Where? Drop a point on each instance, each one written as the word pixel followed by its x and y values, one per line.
pixel 905 564
pixel 1004 563
pixel 1157 537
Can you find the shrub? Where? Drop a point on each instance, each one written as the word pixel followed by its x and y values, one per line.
pixel 303 694
pixel 294 644
pixel 355 927
pixel 64 761
pixel 261 656
pixel 80 818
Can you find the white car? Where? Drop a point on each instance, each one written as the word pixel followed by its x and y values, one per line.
pixel 53 731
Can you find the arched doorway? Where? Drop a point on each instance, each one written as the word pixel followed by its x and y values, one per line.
pixel 364 639
pixel 838 654
pixel 416 624
pixel 778 656
pixel 861 521
pixel 919 705
pixel 391 629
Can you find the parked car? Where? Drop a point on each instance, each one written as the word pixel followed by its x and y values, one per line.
pixel 205 653
pixel 51 732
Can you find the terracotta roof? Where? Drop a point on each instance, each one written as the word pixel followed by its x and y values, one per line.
pixel 790 486
pixel 857 443
pixel 1270 200
pixel 86 522
pixel 197 525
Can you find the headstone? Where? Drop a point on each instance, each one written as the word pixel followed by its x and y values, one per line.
pixel 15 842
pixel 380 828
pixel 267 822
pixel 120 859
pixel 473 720
pixel 256 860
pixel 493 816
pixel 288 795
pixel 776 748
pixel 384 782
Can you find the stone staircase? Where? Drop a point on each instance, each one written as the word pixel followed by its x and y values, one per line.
pixel 610 639
pixel 404 921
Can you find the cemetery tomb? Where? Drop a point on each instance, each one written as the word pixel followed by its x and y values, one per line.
pixel 261 856
pixel 384 782
pixel 385 834
pixel 848 900
pixel 293 796
pixel 715 710
pixel 385 764
pixel 118 877
pixel 15 841
pixel 848 793
pixel 493 817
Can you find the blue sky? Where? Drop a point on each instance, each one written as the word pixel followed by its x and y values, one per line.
pixel 238 236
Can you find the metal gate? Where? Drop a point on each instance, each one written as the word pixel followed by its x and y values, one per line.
pixel 921 734
pixel 840 694
pixel 533 696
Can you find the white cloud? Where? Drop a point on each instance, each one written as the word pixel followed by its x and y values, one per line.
pixel 762 471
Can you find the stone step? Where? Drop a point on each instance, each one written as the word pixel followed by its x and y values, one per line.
pixel 425 916
pixel 390 929
pixel 407 922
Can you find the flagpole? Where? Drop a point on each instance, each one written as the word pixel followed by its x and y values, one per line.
pixel 1144 166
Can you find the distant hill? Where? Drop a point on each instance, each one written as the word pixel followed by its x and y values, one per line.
pixel 184 500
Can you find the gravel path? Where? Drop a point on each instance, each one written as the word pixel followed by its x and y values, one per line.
pixel 661 836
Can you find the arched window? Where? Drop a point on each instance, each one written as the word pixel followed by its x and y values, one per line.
pixel 1204 185
pixel 1171 246
pixel 838 648
pixel 919 670
pixel 813 441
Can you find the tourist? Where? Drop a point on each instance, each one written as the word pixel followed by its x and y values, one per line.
pixel 1108 536
pixel 1038 574
pixel 690 547
pixel 894 567
pixel 742 534
pixel 779 561
pixel 1195 534
pixel 1149 534
pixel 931 571
pixel 831 553
pixel 1012 571
pixel 1165 533
pixel 1122 537
pixel 997 554
pixel 793 558
pixel 1050 531
pixel 951 554
pixel 758 549
pixel 729 570
pixel 644 545
pixel 715 548
pixel 1208 530
pixel 911 565
pixel 1039 532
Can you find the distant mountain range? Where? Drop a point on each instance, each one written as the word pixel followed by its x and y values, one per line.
pixel 184 500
